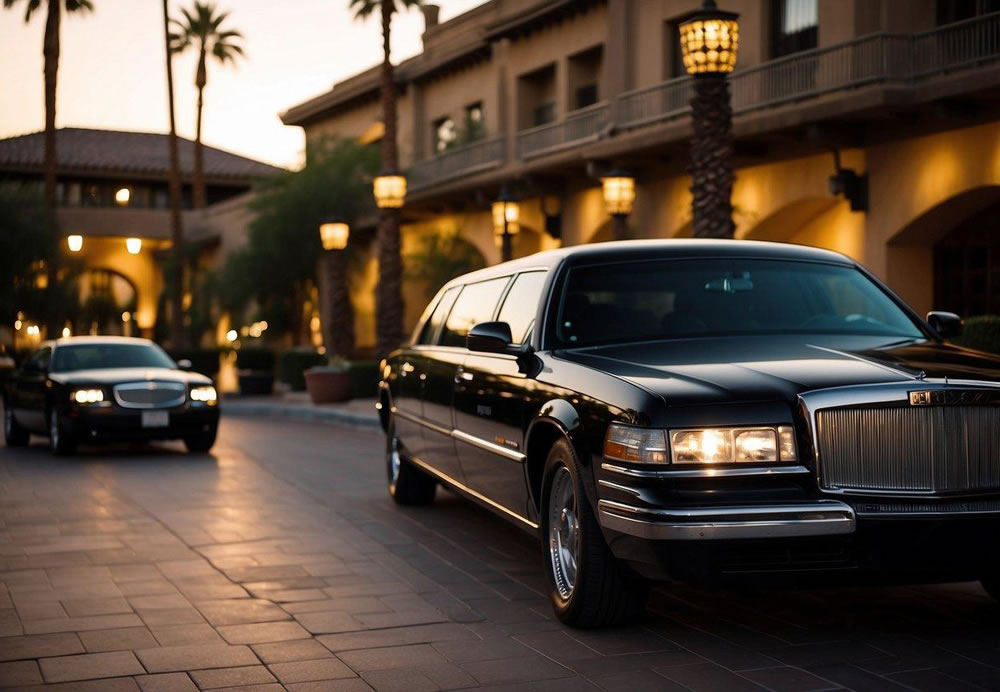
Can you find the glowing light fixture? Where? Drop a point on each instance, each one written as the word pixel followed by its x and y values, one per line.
pixel 710 40
pixel 74 242
pixel 123 196
pixel 126 316
pixel 390 190
pixel 133 245
pixel 66 332
pixel 619 192
pixel 232 335
pixel 334 235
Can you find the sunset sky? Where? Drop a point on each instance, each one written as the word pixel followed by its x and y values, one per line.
pixel 112 74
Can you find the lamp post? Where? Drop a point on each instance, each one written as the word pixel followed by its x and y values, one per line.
pixel 506 221
pixel 339 338
pixel 389 188
pixel 619 196
pixel 709 40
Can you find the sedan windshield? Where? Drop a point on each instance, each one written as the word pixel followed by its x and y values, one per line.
pixel 664 299
pixel 97 356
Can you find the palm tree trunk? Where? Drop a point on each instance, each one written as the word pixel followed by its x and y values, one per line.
pixel 177 336
pixel 51 52
pixel 389 293
pixel 712 159
pixel 200 196
pixel 340 337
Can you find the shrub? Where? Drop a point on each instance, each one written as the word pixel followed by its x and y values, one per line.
pixel 257 359
pixel 364 379
pixel 982 333
pixel 292 365
pixel 203 360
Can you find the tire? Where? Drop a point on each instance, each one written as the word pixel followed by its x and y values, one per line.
pixel 202 442
pixel 13 434
pixel 589 586
pixel 60 442
pixel 408 485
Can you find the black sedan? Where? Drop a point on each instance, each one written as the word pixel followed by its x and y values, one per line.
pixel 704 411
pixel 93 389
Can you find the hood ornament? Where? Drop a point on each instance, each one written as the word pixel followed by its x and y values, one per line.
pixel 921 375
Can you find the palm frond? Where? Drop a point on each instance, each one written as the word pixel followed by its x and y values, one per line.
pixel 363 8
pixel 79 5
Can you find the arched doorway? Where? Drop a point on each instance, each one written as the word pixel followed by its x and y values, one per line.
pixel 108 302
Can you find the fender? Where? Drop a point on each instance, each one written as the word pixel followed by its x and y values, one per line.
pixel 563 416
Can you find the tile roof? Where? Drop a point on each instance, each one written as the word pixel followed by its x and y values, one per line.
pixel 111 151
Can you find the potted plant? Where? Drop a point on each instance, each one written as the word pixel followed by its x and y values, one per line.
pixel 255 370
pixel 329 383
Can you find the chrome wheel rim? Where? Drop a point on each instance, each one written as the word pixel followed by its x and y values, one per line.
pixel 394 461
pixel 564 532
pixel 54 430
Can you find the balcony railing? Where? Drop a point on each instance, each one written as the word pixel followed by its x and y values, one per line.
pixel 464 160
pixel 584 125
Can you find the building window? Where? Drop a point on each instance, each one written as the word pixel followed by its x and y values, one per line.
pixel 949 11
pixel 543 114
pixel 794 26
pixel 585 76
pixel 536 97
pixel 474 125
pixel 445 133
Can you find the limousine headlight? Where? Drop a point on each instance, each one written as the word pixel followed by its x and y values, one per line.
pixel 204 394
pixel 700 445
pixel 87 396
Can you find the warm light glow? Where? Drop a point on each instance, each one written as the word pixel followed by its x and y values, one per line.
pixel 33 330
pixel 75 243
pixel 66 332
pixel 390 190
pixel 18 324
pixel 334 235
pixel 133 245
pixel 314 324
pixel 126 316
pixel 710 41
pixel 232 335
pixel 511 211
pixel 123 196
pixel 619 193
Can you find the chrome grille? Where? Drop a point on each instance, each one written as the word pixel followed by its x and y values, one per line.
pixel 910 449
pixel 150 394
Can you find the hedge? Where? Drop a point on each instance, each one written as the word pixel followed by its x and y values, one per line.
pixel 293 364
pixel 364 379
pixel 982 333
pixel 257 359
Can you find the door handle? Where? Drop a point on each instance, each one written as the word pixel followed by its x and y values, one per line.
pixel 462 376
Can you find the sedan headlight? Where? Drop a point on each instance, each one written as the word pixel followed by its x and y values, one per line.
pixel 701 445
pixel 87 397
pixel 204 394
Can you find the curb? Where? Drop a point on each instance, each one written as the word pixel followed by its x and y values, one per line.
pixel 303 413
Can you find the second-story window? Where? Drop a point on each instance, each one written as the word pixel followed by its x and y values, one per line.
pixel 794 26
pixel 445 133
pixel 949 11
pixel 536 97
pixel 473 125
pixel 584 77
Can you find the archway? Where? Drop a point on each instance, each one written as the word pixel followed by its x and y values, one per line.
pixel 824 222
pixel 948 258
pixel 108 301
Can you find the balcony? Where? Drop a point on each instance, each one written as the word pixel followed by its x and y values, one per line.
pixel 881 58
pixel 580 126
pixel 465 160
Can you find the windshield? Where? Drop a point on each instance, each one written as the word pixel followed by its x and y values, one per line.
pixel 663 299
pixel 95 356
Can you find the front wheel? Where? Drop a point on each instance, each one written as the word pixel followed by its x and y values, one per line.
pixel 13 434
pixel 201 442
pixel 60 442
pixel 589 586
pixel 408 485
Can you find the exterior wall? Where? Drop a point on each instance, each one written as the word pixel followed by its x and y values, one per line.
pixel 449 96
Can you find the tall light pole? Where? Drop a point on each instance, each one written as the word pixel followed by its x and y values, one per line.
pixel 339 337
pixel 506 221
pixel 389 188
pixel 709 45
pixel 618 187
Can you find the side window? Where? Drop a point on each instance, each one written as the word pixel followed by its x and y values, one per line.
pixel 521 304
pixel 39 360
pixel 434 322
pixel 475 304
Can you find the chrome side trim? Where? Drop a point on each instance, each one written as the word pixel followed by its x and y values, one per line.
pixel 420 421
pixel 499 450
pixel 478 497
pixel 824 518
pixel 704 473
pixel 179 389
pixel 620 488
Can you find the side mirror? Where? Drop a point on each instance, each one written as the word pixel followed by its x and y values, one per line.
pixel 947 324
pixel 184 364
pixel 490 337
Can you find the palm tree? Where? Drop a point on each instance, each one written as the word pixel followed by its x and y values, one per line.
pixel 177 335
pixel 389 294
pixel 50 49
pixel 202 27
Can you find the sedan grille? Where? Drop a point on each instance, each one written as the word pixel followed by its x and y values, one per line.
pixel 150 394
pixel 912 449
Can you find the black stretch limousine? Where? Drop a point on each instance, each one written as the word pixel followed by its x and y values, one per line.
pixel 702 410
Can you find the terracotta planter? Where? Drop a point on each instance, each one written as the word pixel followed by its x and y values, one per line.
pixel 326 387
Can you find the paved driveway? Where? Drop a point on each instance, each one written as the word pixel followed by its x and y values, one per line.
pixel 280 561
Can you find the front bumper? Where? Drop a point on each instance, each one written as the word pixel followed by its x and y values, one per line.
pixel 821 518
pixel 118 424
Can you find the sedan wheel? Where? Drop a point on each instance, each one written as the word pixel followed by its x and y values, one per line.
pixel 59 441
pixel 408 485
pixel 590 587
pixel 14 435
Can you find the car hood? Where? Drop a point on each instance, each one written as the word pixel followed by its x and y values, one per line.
pixel 761 368
pixel 110 376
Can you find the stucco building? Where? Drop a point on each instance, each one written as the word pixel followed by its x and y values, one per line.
pixel 113 200
pixel 896 98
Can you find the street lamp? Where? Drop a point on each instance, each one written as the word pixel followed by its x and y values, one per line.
pixel 74 242
pixel 709 39
pixel 390 190
pixel 133 245
pixel 123 196
pixel 506 221
pixel 339 338
pixel 619 196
